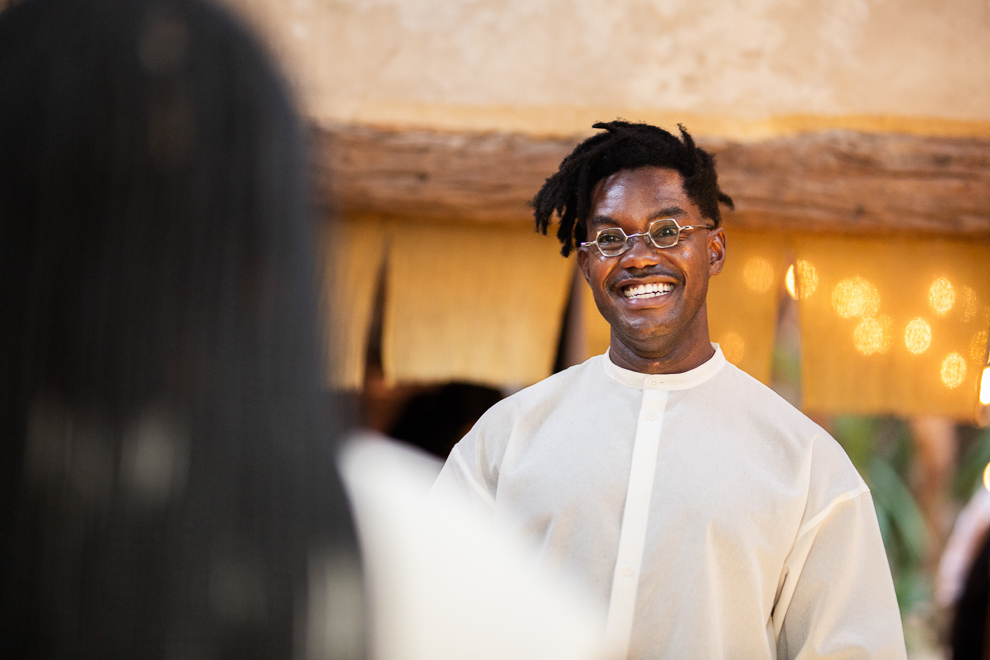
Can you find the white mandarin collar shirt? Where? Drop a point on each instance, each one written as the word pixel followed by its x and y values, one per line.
pixel 680 381
pixel 709 516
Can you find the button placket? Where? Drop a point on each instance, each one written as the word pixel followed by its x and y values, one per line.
pixel 636 514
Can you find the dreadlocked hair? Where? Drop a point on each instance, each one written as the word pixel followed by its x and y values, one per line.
pixel 623 146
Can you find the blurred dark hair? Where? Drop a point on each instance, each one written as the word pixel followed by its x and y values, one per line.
pixel 436 419
pixel 968 639
pixel 166 469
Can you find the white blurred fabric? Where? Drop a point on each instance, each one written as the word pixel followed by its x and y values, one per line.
pixel 446 585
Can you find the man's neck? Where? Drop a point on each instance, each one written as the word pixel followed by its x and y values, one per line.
pixel 679 360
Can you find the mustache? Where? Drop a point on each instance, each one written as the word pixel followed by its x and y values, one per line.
pixel 651 271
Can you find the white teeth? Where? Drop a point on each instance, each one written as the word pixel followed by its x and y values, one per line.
pixel 648 290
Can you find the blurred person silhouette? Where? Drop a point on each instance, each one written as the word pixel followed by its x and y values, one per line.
pixel 167 487
pixel 968 638
pixel 962 584
pixel 436 419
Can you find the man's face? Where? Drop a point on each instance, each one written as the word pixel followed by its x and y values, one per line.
pixel 666 325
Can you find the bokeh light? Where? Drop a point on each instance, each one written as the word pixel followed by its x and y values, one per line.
pixel 758 274
pixel 978 348
pixel 855 297
pixel 941 296
pixel 953 370
pixel 807 278
pixel 801 280
pixel 733 347
pixel 872 335
pixel 985 387
pixel 971 304
pixel 986 474
pixel 918 336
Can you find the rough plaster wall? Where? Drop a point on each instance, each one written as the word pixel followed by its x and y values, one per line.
pixel 503 61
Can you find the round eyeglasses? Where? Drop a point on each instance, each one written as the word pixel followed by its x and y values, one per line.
pixel 662 233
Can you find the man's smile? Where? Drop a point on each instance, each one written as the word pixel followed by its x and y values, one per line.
pixel 642 291
pixel 647 286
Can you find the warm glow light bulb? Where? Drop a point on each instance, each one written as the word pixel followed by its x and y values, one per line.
pixel 971 304
pixel 953 370
pixel 941 296
pixel 986 477
pixel 918 336
pixel 855 297
pixel 985 387
pixel 872 335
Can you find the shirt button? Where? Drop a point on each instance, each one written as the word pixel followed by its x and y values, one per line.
pixel 651 416
pixel 652 381
pixel 627 571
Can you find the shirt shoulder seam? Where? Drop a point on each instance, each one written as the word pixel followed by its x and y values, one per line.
pixel 824 513
pixel 479 489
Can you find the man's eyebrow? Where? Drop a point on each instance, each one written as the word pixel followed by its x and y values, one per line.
pixel 669 212
pixel 603 220
pixel 666 212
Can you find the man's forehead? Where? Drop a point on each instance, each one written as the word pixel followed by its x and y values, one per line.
pixel 649 190
pixel 644 172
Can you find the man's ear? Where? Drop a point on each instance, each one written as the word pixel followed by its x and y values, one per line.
pixel 582 259
pixel 716 251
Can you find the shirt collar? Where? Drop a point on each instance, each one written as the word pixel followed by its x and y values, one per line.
pixel 681 381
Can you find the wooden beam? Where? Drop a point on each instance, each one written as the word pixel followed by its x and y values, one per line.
pixel 841 181
pixel 835 181
pixel 486 177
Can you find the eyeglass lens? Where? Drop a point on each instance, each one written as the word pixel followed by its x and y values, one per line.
pixel 613 242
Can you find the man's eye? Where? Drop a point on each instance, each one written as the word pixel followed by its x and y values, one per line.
pixel 665 231
pixel 609 239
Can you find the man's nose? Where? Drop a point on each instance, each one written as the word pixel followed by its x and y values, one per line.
pixel 640 251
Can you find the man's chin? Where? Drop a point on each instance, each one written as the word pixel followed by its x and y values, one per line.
pixel 646 344
pixel 646 325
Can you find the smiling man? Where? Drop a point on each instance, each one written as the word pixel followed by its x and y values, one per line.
pixel 713 518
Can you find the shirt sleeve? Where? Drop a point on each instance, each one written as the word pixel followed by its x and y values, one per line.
pixel 470 474
pixel 456 482
pixel 837 598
